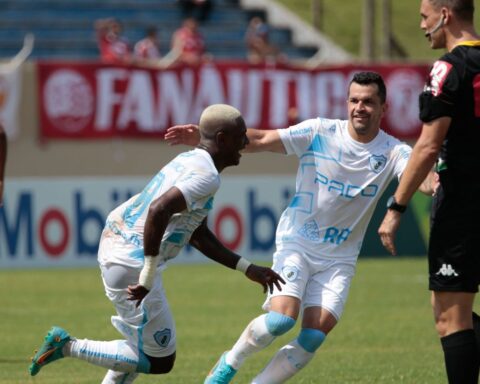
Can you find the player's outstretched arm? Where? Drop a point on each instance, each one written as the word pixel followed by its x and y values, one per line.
pixel 206 242
pixel 186 134
pixel 260 140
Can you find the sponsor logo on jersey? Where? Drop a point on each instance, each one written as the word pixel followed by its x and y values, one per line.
pixel 447 270
pixel 300 131
pixel 377 163
pixel 310 231
pixel 332 129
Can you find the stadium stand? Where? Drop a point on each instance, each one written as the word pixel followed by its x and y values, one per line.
pixel 63 29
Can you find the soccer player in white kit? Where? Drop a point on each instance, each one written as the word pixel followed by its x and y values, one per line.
pixel 344 167
pixel 140 236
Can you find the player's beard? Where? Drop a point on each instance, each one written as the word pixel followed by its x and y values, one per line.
pixel 437 40
pixel 363 127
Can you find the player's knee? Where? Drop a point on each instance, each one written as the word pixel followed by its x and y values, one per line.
pixel 310 339
pixel 278 323
pixel 161 365
pixel 442 324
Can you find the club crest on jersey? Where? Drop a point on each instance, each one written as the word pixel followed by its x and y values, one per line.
pixel 290 272
pixel 377 163
pixel 163 337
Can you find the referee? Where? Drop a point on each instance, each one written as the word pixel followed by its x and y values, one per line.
pixel 450 111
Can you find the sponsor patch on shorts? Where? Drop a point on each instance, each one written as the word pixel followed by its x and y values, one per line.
pixel 290 272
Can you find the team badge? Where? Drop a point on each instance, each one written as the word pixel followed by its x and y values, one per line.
pixel 377 163
pixel 163 337
pixel 290 272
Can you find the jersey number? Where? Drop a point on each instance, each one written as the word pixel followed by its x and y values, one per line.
pixel 476 94
pixel 143 200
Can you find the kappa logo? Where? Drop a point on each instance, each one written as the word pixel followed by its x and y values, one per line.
pixel 447 270
pixel 377 163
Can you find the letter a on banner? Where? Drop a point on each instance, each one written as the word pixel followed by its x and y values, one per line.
pixel 10 88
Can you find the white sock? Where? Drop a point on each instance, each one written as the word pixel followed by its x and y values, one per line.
pixel 286 363
pixel 253 339
pixel 117 355
pixel 114 377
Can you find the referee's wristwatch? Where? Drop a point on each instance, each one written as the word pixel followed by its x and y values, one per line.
pixel 392 204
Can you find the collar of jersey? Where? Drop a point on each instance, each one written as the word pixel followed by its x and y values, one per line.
pixel 471 43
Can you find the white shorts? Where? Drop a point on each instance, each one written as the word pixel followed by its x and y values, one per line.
pixel 323 284
pixel 150 326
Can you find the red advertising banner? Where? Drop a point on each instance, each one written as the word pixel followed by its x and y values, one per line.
pixel 94 100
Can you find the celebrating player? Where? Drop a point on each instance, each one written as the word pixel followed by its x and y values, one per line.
pixel 345 166
pixel 450 111
pixel 140 236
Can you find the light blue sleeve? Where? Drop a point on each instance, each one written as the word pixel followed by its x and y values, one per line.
pixel 402 153
pixel 198 188
pixel 298 138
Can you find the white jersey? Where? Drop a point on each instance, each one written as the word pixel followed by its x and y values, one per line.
pixel 339 182
pixel 195 175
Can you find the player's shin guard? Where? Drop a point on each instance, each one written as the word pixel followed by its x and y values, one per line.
pixel 291 358
pixel 117 355
pixel 461 357
pixel 258 335
pixel 114 377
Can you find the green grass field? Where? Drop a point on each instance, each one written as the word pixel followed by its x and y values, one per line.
pixel 343 24
pixel 385 336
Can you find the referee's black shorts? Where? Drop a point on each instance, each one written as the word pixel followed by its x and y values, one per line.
pixel 454 247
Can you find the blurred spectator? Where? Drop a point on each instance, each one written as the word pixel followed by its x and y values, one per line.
pixel 147 50
pixel 114 48
pixel 198 9
pixel 259 48
pixel 188 43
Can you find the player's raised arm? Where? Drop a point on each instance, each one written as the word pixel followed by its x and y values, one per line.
pixel 260 140
pixel 206 242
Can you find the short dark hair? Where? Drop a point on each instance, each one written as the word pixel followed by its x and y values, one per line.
pixel 464 9
pixel 367 78
pixel 151 31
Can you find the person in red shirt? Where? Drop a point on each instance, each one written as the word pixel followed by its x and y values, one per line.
pixel 189 44
pixel 147 50
pixel 259 48
pixel 114 48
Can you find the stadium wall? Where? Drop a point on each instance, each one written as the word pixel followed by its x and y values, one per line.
pixel 59 191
